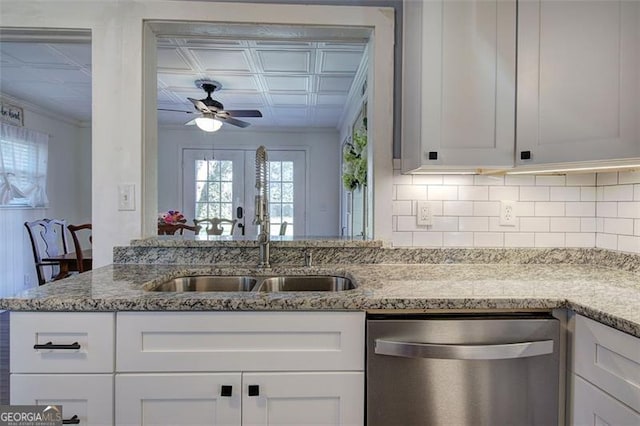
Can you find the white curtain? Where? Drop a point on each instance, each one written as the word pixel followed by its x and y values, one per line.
pixel 23 166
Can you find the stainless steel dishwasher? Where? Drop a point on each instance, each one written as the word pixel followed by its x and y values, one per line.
pixel 463 370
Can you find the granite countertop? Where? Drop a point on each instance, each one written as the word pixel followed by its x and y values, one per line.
pixel 606 294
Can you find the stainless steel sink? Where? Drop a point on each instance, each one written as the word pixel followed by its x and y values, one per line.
pixel 305 283
pixel 213 283
pixel 207 283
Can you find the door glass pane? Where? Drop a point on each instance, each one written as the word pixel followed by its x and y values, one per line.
pixel 281 197
pixel 214 189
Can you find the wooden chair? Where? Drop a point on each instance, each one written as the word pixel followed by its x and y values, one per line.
pixel 47 240
pixel 74 229
pixel 214 225
pixel 171 229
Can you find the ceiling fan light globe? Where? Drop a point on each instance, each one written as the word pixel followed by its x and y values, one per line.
pixel 208 124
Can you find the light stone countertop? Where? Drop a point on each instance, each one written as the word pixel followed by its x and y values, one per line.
pixel 605 294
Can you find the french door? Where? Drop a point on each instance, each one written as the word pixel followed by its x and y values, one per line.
pixel 221 184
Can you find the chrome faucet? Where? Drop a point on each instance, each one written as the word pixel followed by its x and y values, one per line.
pixel 262 206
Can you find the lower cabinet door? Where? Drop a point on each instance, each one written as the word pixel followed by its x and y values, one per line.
pixel 86 399
pixel 593 407
pixel 178 399
pixel 322 398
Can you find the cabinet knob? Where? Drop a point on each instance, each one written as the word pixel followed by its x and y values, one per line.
pixel 254 390
pixel 525 155
pixel 226 390
pixel 72 421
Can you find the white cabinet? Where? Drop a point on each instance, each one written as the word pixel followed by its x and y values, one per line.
pixel 578 80
pixel 458 84
pixel 606 375
pixel 178 399
pixel 87 398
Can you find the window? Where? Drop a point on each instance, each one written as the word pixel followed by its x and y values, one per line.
pixel 214 189
pixel 281 196
pixel 23 167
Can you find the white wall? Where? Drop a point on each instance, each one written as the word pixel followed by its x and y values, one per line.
pixel 323 166
pixel 68 189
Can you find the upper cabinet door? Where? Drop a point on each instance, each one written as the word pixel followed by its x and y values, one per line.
pixel 578 80
pixel 458 84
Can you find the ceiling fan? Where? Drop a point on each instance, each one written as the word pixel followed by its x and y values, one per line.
pixel 213 112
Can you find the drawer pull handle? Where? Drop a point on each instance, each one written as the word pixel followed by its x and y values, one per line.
pixel 49 345
pixel 72 421
pixel 226 390
pixel 254 390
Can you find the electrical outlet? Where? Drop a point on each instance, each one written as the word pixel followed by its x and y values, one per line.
pixel 423 215
pixel 508 213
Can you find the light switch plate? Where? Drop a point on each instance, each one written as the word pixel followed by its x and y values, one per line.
pixel 126 196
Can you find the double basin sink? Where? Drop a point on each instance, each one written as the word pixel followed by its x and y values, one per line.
pixel 211 283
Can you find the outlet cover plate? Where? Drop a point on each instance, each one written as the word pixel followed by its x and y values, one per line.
pixel 508 213
pixel 423 215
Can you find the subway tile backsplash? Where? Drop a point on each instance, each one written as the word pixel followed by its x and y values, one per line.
pixel 576 210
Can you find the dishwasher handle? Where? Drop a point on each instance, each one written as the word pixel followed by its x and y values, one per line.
pixel 451 351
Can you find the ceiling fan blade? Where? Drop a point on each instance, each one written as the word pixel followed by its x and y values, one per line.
pixel 190 123
pixel 201 106
pixel 175 110
pixel 244 113
pixel 233 121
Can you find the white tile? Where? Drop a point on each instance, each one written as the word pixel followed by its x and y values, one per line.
pixel 408 223
pixel 629 209
pixel 486 208
pixel 402 239
pixel 629 244
pixel 549 240
pixel 474 193
pixel 521 239
pixel 534 193
pixel 618 193
pixel 457 208
pixel 534 224
pixel 600 193
pixel 550 180
pixel 401 208
pixel 636 227
pixel 629 177
pixel 411 192
pixel 525 208
pixel 448 192
pixel 618 226
pixel 427 239
pixel 494 226
pixel 473 224
pixel 549 208
pixel 581 179
pixel 582 239
pixel 609 209
pixel 564 224
pixel 488 180
pixel 588 193
pixel 599 224
pixel 588 224
pixel 394 192
pixel 488 239
pixel 444 223
pixel 457 179
pixel 400 179
pixel 427 179
pixel 609 178
pixel 519 180
pixel 457 239
pixel 565 193
pixel 636 192
pixel 607 241
pixel 394 223
pixel 500 193
pixel 580 208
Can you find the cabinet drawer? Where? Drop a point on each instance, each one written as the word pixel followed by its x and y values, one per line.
pixel 239 341
pixel 591 406
pixel 93 332
pixel 610 359
pixel 87 396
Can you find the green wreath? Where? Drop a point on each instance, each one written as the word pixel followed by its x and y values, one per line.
pixel 354 169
